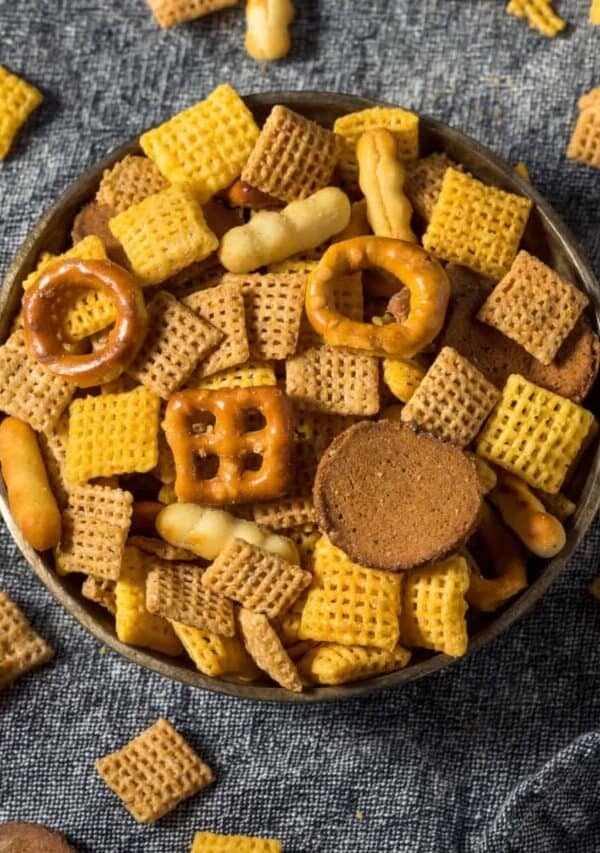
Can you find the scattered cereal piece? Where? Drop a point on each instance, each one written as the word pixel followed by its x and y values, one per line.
pixel 585 141
pixel 21 648
pixel 129 182
pixel 154 772
pixel 402 377
pixel 214 655
pixel 18 99
pixel 476 225
pixel 330 663
pixel 210 842
pixel 265 647
pixel 535 434
pixel 101 591
pixel 540 15
pixel 223 307
pixel 206 146
pixel 329 380
pixel 424 182
pixel 595 13
pixel 112 434
pixel 168 13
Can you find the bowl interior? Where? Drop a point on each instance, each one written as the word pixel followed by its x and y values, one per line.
pixel 546 236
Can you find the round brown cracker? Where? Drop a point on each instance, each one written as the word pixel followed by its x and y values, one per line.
pixel 392 498
pixel 19 837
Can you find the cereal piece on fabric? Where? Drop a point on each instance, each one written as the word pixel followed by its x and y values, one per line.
pixel 206 146
pixel 535 433
pixel 293 156
pixel 273 305
pixel 129 182
pixel 211 842
pixel 134 623
pixel 333 381
pixel 163 234
pixel 285 513
pixel 433 607
pixel 100 591
pixel 330 663
pixel 252 374
pixel 256 579
pixel 21 648
pixel 176 340
pixel 403 124
pixel 585 140
pixel 265 648
pixel 424 181
pixel 595 13
pixel 539 14
pixel 350 604
pixel 476 225
pixel 214 655
pixel 223 307
pixel 168 13
pixel 175 591
pixel 154 772
pixel 452 401
pixel 18 99
pixel 534 306
pixel 161 549
pixel 112 434
pixel 402 377
pixel 53 445
pixel 95 525
pixel 27 390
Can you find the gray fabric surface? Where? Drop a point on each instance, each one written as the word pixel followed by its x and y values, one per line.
pixel 501 752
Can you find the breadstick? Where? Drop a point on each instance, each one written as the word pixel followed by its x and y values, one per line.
pixel 30 497
pixel 523 512
pixel 381 178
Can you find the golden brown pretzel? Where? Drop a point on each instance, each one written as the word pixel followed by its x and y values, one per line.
pixel 43 309
pixel 412 266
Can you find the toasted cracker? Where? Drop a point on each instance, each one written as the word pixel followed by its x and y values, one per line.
pixel 265 648
pixel 334 381
pixel 21 648
pixel 223 307
pixel 128 182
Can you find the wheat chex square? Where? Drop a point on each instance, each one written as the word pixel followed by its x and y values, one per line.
pixel 130 181
pixel 333 381
pixel 223 307
pixel 266 650
pixel 21 648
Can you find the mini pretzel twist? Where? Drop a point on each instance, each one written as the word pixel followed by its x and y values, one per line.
pixel 410 265
pixel 267 28
pixel 381 179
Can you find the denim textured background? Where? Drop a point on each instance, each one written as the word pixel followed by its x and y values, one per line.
pixel 501 752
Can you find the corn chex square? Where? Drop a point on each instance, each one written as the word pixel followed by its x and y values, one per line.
pixel 129 182
pixel 595 13
pixel 168 13
pixel 252 374
pixel 175 591
pixel 539 14
pixel 210 842
pixel 476 225
pixel 585 141
pixel 535 433
pixel 18 99
pixel 101 591
pixel 453 400
pixel 95 524
pixel 176 340
pixel 293 156
pixel 433 608
pixel 403 124
pixel 27 390
pixel 206 146
pixel 257 579
pixel 163 234
pixel 215 655
pixel 424 181
pixel 350 604
pixel 154 772
pixel 21 648
pixel 534 306
pixel 223 307
pixel 331 663
pixel 112 434
pixel 333 381
pixel 266 650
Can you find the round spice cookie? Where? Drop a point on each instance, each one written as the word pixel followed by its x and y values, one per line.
pixel 392 498
pixel 21 837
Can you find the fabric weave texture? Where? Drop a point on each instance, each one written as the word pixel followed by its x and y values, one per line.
pixel 499 753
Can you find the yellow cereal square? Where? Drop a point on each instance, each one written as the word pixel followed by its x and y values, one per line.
pixel 476 225
pixel 168 13
pixel 403 124
pixel 539 14
pixel 18 99
pixel 329 663
pixel 163 234
pixel 252 374
pixel 535 433
pixel 206 146
pixel 214 655
pixel 211 842
pixel 595 13
pixel 350 604
pixel 112 434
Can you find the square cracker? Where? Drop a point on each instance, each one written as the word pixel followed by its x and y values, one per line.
pixel 476 225
pixel 176 340
pixel 18 99
pixel 154 772
pixel 452 400
pixel 223 307
pixel 211 842
pixel 293 156
pixel 27 390
pixel 333 381
pixel 267 651
pixel 534 306
pixel 130 181
pixel 585 141
pixel 21 648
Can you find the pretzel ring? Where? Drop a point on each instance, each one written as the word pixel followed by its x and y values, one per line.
pixel 412 266
pixel 43 309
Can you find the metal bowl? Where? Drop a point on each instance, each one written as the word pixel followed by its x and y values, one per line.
pixel 546 236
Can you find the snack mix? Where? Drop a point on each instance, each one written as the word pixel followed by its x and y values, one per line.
pixel 297 408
